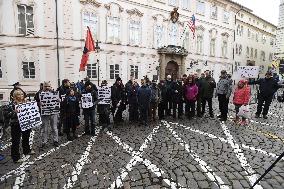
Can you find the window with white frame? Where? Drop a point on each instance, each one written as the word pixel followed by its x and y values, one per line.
pixel 242 30
pixel 200 7
pixel 134 71
pixel 114 71
pixel 1 96
pixel 256 37
pixel 186 41
pixel 185 4
pixel 1 70
pixel 225 48
pixel 251 52
pixel 173 2
pixel 262 55
pixel 91 20
pixel 255 53
pixel 212 47
pixel 263 39
pixel 26 20
pixel 173 34
pixel 236 65
pixel 214 12
pixel 271 41
pixel 158 35
pixel 134 32
pixel 240 49
pixel 92 70
pixel 247 52
pixel 249 33
pixel 28 70
pixel 199 44
pixel 238 29
pixel 113 29
pixel 226 16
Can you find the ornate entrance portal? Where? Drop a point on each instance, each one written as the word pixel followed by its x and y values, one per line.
pixel 172 69
pixel 172 61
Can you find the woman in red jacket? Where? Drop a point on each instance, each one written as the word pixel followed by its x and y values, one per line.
pixel 241 98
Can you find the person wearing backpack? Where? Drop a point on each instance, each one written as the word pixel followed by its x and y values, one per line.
pixel 191 96
pixel 155 96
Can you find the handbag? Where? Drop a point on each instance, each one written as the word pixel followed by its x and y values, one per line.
pixel 244 112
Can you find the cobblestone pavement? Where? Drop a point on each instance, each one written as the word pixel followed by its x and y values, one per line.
pixel 197 153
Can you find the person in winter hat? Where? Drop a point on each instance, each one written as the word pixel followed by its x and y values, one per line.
pixel 241 98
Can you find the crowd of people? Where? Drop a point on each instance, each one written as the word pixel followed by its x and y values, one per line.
pixel 182 98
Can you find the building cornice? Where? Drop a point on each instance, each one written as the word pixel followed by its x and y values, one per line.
pixel 256 28
pixel 92 2
pixel 134 12
pixel 107 6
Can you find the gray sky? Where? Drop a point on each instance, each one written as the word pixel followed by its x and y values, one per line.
pixel 266 9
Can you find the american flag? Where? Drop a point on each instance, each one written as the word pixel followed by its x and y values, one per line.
pixel 191 24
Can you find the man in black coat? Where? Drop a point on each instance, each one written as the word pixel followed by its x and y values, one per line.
pixel 118 98
pixel 177 97
pixel 168 99
pixel 267 88
pixel 63 89
pixel 144 98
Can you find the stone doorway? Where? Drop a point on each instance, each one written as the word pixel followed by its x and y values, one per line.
pixel 172 69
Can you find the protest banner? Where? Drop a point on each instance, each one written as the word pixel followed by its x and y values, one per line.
pixel 50 103
pixel 104 95
pixel 248 71
pixel 87 100
pixel 28 115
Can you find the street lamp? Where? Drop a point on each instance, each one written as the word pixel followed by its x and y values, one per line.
pixel 98 61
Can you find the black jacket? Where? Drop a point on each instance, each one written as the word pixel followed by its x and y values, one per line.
pixel 177 91
pixel 267 86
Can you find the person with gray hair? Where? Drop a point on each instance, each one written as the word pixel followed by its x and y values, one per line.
pixel 48 120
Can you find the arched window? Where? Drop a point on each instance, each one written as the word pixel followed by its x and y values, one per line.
pixel 91 20
pixel 199 44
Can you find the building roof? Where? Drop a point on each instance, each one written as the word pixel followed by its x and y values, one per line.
pixel 245 9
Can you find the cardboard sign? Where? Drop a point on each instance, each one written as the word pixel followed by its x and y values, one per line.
pixel 248 71
pixel 28 115
pixel 104 95
pixel 63 97
pixel 87 100
pixel 50 103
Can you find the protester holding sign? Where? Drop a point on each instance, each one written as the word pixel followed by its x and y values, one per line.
pixel 49 102
pixel 104 93
pixel 70 113
pixel 16 133
pixel 89 98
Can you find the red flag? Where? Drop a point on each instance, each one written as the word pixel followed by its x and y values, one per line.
pixel 89 46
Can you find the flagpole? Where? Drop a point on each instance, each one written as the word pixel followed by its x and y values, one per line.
pixel 57 43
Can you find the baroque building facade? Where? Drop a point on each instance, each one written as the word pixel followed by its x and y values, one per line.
pixel 279 48
pixel 255 41
pixel 136 37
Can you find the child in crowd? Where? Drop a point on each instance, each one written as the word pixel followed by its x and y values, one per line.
pixel 71 112
pixel 241 98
